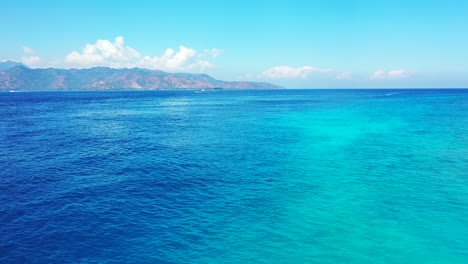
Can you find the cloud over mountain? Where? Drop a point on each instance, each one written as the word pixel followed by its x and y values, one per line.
pixel 29 58
pixel 103 53
pixel 117 55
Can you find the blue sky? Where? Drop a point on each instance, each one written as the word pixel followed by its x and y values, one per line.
pixel 297 44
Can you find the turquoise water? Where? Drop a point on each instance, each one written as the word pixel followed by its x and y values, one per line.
pixel 286 176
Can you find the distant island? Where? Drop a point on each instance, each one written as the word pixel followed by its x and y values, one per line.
pixel 17 77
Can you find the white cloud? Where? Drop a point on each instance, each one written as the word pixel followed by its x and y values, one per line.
pixel 28 50
pixel 346 75
pixel 279 72
pixel 202 65
pixel 399 74
pixel 172 60
pixel 391 75
pixel 379 75
pixel 214 52
pixel 103 53
pixel 116 54
pixel 30 60
pixel 246 77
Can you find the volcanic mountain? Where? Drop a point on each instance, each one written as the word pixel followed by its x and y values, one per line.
pixel 17 77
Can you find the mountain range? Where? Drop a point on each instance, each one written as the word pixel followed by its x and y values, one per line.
pixel 17 77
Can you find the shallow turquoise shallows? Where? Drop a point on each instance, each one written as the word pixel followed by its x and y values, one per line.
pixel 278 176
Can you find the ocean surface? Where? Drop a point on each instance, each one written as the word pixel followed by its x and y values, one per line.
pixel 277 176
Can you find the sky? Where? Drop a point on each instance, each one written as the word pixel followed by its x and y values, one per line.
pixel 296 44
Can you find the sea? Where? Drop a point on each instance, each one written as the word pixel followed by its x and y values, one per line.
pixel 234 176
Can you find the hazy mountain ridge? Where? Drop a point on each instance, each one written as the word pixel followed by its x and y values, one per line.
pixel 9 64
pixel 20 78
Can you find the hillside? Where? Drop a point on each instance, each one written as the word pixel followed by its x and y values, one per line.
pixel 21 78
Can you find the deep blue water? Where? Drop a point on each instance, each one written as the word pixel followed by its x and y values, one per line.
pixel 287 176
